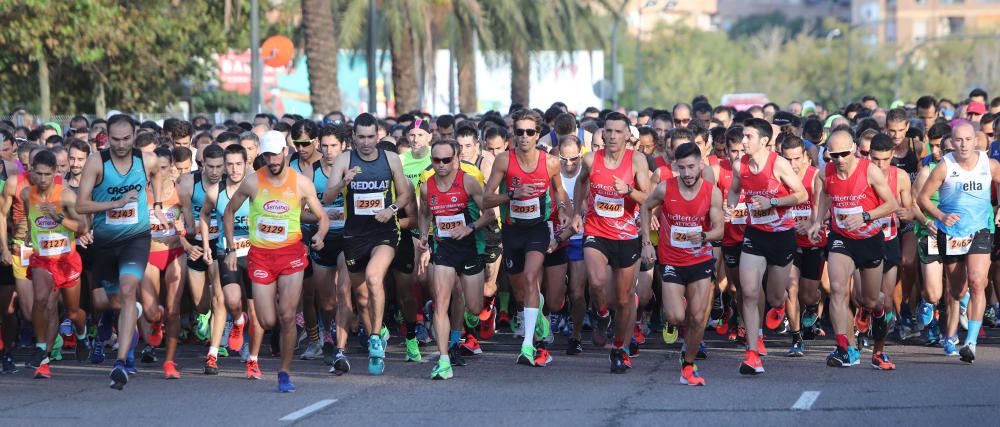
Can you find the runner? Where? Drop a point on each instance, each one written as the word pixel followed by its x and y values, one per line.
pixel 616 180
pixel 113 187
pixel 8 318
pixel 372 180
pixel 688 206
pixel 931 269
pixel 772 188
pixel 276 258
pixel 857 196
pixel 55 267
pixel 20 234
pixel 453 201
pixel 963 222
pixel 732 237
pixel 528 181
pixel 570 155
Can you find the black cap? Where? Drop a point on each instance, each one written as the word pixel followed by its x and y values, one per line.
pixel 783 118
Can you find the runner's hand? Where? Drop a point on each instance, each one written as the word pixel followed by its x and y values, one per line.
pixel 904 214
pixel 620 186
pixel 648 253
pixel 462 232
pixel 760 203
pixel 6 258
pixel 350 174
pixel 317 242
pixel 654 222
pixel 195 252
pixel 422 262
pixel 423 246
pixel 85 239
pixel 552 245
pixel 577 223
pixel 384 215
pixel 813 231
pixel 207 255
pixel 231 261
pixel 802 227
pixel 129 197
pixel 951 219
pixel 932 227
pixel 695 238
pixel 854 221
pixel 524 191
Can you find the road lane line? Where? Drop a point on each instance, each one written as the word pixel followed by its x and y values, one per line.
pixel 308 410
pixel 805 401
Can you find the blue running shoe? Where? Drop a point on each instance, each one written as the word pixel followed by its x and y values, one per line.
pixel 285 383
pixel 97 355
pixel 855 355
pixel 421 332
pixel 798 350
pixel 119 376
pixel 702 352
pixel 933 334
pixel 838 358
pixel 949 347
pixel 926 313
pixel 376 355
pixel 810 315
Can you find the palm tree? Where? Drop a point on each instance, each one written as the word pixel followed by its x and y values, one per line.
pixel 470 20
pixel 321 53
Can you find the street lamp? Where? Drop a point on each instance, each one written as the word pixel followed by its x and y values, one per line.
pixel 372 87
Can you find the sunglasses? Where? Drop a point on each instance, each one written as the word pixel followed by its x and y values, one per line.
pixel 441 160
pixel 840 155
pixel 863 153
pixel 682 121
pixel 570 159
pixel 523 132
pixel 303 142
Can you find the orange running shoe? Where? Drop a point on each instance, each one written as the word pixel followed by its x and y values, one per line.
pixel 542 357
pixel 761 349
pixel 43 372
pixel 487 325
pixel 236 334
pixel 774 317
pixel 211 365
pixel 170 371
pixel 751 364
pixel 881 362
pixel 689 375
pixel 155 336
pixel 862 320
pixel 471 346
pixel 626 360
pixel 253 370
pixel 638 335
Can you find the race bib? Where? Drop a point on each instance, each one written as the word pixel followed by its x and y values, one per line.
pixel 125 215
pixel 335 212
pixel 159 230
pixel 525 209
pixel 609 207
pixel 368 203
pixel 840 215
pixel 679 237
pixel 241 245
pixel 802 215
pixel 932 245
pixel 272 230
pixel 52 244
pixel 449 223
pixel 958 245
pixel 764 216
pixel 26 252
pixel 739 214
pixel 886 224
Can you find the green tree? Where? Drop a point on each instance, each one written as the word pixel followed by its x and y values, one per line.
pixel 321 51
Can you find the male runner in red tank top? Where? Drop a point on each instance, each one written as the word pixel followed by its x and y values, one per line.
pixel 691 218
pixel 613 182
pixel 857 195
pixel 771 188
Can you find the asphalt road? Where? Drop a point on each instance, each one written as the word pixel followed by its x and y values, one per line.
pixel 926 389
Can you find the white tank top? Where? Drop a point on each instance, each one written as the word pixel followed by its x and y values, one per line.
pixel 569 184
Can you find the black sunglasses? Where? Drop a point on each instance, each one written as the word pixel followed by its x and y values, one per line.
pixel 303 142
pixel 441 160
pixel 523 132
pixel 840 155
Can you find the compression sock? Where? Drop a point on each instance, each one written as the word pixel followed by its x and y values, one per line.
pixel 504 299
pixel 313 333
pixel 842 341
pixel 796 337
pixel 972 336
pixel 530 320
pixel 453 338
pixel 471 319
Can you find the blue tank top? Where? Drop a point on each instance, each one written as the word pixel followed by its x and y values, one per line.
pixel 241 219
pixel 320 180
pixel 130 221
pixel 197 201
pixel 966 193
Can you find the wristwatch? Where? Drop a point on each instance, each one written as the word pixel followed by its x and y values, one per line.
pixel 774 201
pixel 703 237
pixel 394 208
pixel 866 217
pixel 228 251
pixel 60 218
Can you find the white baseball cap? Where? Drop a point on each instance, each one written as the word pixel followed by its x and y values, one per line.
pixel 272 142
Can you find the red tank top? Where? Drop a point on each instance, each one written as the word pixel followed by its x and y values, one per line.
pixel 733 231
pixel 532 210
pixel 853 195
pixel 767 185
pixel 448 207
pixel 713 160
pixel 611 215
pixel 660 162
pixel 681 216
pixel 890 224
pixel 803 212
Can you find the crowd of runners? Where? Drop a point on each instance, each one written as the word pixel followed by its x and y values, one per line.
pixel 122 240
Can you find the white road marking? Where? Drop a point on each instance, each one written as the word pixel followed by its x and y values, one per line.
pixel 308 410
pixel 805 401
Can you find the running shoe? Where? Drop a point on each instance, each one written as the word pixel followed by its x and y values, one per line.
pixel 202 326
pixel 752 364
pixel 155 335
pixel 130 363
pixel 633 347
pixel 527 356
pixel 907 329
pixel 253 370
pixel 862 320
pixel 963 311
pixel 810 315
pixel 384 334
pixel 949 347
pixel 455 354
pixel 82 350
pixel 926 313
pixel 599 334
pixel 542 357
pixel 285 383
pixel 933 334
pixel 689 375
pixel 627 360
pixel 147 355
pixel 43 372
pixel 313 351
pixel 617 359
pixel 761 348
pixel 422 334
pixel 575 347
pixel 854 355
pixel 224 352
pixel 211 365
pixel 670 334
pixel 724 325
pixel 881 362
pixel 880 327
pixel 702 353
pixel 838 358
pixel 341 365
pixel 412 350
pixel 170 371
pixel 638 334
pixel 543 329
pixel 376 355
pixel 97 352
pixel 469 348
pixel 990 317
pixel 236 334
pixel 37 357
pixel 56 353
pixel 442 371
pixel 119 377
pixel 798 350
pixel 487 324
pixel 9 367
pixel 733 334
pixel 774 317
pixel 968 354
